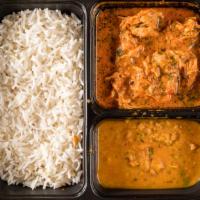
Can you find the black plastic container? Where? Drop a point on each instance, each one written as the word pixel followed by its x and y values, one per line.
pixel 89 188
pixel 193 5
pixel 101 113
pixel 75 191
pixel 146 193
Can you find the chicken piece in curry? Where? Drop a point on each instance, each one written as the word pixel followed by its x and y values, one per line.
pixel 149 59
pixel 148 154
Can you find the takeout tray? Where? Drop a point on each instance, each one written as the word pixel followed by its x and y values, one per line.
pixel 93 113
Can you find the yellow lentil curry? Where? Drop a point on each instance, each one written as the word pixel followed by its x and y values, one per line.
pixel 148 153
pixel 147 58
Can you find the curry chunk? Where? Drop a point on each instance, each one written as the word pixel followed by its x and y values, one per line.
pixel 155 60
pixel 146 23
pixel 184 34
pixel 162 75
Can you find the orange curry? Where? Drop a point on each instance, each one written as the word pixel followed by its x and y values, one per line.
pixel 147 58
pixel 148 153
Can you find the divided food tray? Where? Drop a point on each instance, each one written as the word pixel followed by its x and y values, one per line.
pixel 20 192
pixel 89 188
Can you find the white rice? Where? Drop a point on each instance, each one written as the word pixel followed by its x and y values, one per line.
pixel 41 96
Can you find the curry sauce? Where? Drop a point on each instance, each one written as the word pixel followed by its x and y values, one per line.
pixel 147 58
pixel 147 154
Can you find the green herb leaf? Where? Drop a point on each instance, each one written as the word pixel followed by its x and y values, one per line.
pixel 119 52
pixel 185 178
pixel 150 151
